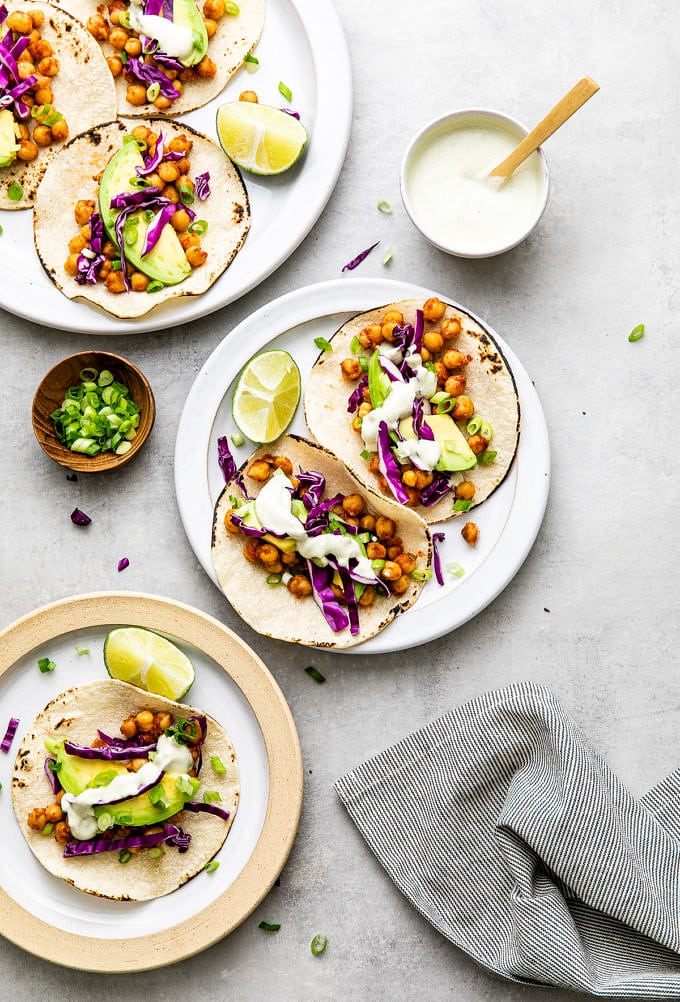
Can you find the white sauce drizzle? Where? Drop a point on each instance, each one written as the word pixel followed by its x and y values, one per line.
pixel 173 39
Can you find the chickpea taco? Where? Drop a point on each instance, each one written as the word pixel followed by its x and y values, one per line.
pixel 304 553
pixel 171 55
pixel 122 793
pixel 157 211
pixel 54 83
pixel 418 399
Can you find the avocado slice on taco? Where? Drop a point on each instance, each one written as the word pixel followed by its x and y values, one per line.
pixel 305 553
pixel 122 793
pixel 418 400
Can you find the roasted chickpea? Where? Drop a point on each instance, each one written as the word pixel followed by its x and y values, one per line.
pixel 465 491
pixel 20 22
pixel 433 341
pixel 37 18
pixel 162 721
pixel 135 764
pixel 23 131
pixel 470 533
pixel 425 355
pixel 214 9
pixel 250 551
pixel 407 562
pixel 42 135
pixel 417 478
pixel 54 813
pixel 171 193
pixel 478 444
pixel 353 504
pixel 183 166
pixel 168 172
pixel 109 250
pixel 25 69
pixel 98 28
pixel 385 528
pixel 259 470
pixel 180 144
pixel 210 26
pixel 71 265
pixel 299 586
pixel 228 524
pixel 114 282
pixel 283 463
pixel 350 368
pixel 43 93
pixel 375 551
pixel 455 385
pixel 48 67
pixel 62 832
pixel 391 571
pixel 37 819
pixel 133 47
pixel 118 37
pixel 401 585
pixel 441 372
pixel 463 410
pixel 206 68
pixel 450 328
pixel 104 271
pixel 138 281
pixel 367 523
pixel 136 95
pixel 364 409
pixel 162 103
pixel 141 133
pixel 373 467
pixel 155 178
pixel 249 96
pixel 454 359
pixel 433 309
pixel 367 597
pixel 76 244
pixel 371 336
pixel 129 728
pixel 144 720
pixel 196 256
pixel 188 240
pixel 267 553
pixel 387 330
pixel 83 210
pixel 60 130
pixel 40 48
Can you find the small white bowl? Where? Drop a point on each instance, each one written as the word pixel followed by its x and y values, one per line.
pixel 455 120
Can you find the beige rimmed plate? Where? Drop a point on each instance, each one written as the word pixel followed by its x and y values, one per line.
pixel 55 921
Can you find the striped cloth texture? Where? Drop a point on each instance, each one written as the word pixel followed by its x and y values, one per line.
pixel 513 837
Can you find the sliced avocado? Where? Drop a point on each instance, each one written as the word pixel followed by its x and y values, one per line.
pixel 8 139
pixel 456 454
pixel 75 773
pixel 167 262
pixel 247 513
pixel 186 14
pixel 140 811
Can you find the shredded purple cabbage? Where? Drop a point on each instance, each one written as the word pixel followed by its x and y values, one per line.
pixel 391 370
pixel 356 261
pixel 225 459
pixel 137 69
pixel 437 538
pixel 120 742
pixel 421 429
pixel 202 186
pixel 87 847
pixel 160 156
pixel 350 598
pixel 181 840
pixel 293 114
pixel 6 742
pixel 317 517
pixel 109 753
pixel 315 484
pixel 153 234
pixel 79 517
pixel 388 465
pixel 336 617
pixel 52 777
pixel 356 396
pixel 435 491
pixel 238 479
pixel 89 265
pixel 196 807
pixel 3 14
pixel 123 563
pixel 247 530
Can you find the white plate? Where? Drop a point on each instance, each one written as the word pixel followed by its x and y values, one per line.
pixel 509 520
pixel 304 46
pixel 234 685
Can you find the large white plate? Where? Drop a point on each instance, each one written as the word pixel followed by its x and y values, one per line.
pixel 302 45
pixel 47 916
pixel 509 520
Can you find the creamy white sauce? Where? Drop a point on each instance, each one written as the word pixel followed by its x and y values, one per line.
pixel 424 452
pixel 273 511
pixel 453 199
pixel 170 757
pixel 173 39
pixel 398 404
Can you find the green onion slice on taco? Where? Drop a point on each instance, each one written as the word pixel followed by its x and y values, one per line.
pixel 123 793
pixel 418 399
pixel 304 553
pixel 157 211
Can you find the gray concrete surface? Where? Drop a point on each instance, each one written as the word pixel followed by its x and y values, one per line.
pixel 592 613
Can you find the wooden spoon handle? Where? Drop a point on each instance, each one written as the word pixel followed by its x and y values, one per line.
pixel 557 116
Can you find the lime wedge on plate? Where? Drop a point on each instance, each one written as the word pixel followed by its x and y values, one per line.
pixel 266 396
pixel 258 138
pixel 149 661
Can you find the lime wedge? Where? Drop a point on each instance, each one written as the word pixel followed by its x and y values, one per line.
pixel 145 659
pixel 266 396
pixel 258 138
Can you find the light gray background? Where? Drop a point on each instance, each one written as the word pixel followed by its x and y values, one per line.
pixel 591 613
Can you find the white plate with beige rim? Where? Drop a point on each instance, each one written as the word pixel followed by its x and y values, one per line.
pixel 303 45
pixel 54 920
pixel 509 520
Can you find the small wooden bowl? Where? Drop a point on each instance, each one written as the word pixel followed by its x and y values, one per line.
pixel 50 395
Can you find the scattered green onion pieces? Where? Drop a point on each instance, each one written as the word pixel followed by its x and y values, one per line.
pixel 232 8
pixel 455 569
pixel 322 344
pixel 156 852
pixel 387 258
pixel 474 425
pixel 157 797
pixel 273 580
pixel 153 91
pixel 45 665
pixel 48 829
pixel 363 363
pixel 104 821
pixel 199 226
pixel 267 926
pixel 218 765
pixel 123 56
pixel 487 457
pixel 365 454
pixel 15 192
pixel 124 21
pixel 318 945
pixel 421 574
pixel 186 193
pixel 116 265
pixel 384 206
pixel 54 765
pixel 286 91
pixel 446 406
pixel 211 866
pixel 486 431
pixel 212 797
pixel 635 334
pixel 82 650
pixel 97 415
pixel 251 63
pixel 0 236
pixel 316 675
pixel 237 438
pixel 155 286
pixel 184 785
pixel 124 856
pixel 355 346
pixel 439 397
pixel 462 505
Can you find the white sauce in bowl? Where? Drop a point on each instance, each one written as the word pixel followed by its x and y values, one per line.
pixel 452 199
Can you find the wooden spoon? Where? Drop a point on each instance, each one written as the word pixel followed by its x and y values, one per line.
pixel 557 116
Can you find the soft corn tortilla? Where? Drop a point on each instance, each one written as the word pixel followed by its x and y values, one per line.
pixel 70 178
pixel 83 93
pixel 490 385
pixel 235 37
pixel 77 714
pixel 274 612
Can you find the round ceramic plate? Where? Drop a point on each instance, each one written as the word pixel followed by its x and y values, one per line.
pixel 509 520
pixel 302 45
pixel 52 919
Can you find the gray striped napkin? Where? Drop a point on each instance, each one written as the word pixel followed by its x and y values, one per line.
pixel 512 836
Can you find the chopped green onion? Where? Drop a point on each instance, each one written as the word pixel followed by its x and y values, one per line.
pixel 104 821
pixel 387 258
pixel 186 193
pixel 473 426
pixel 251 63
pixel 318 945
pixel 384 206
pixel 456 569
pixel 268 926
pixel 45 665
pixel 218 765
pixel 137 182
pixel 316 675
pixel 0 236
pixel 153 91
pixel 184 785
pixel 635 334
pixel 124 856
pixel 286 91
pixel 48 829
pixel 38 110
pixel 155 286
pixel 439 397
pixel 211 866
pixel 157 797
pixel 363 363
pixel 148 215
pixel 487 457
pixel 211 797
pixel 15 192
pixel 199 226
pixel 322 344
pixel 273 580
pixel 355 346
pixel 54 765
pixel 462 505
pixel 365 454
pixel 486 430
pixel 446 406
pixel 377 565
pixel 237 438
pixel 82 650
pixel 124 20
pixel 421 574
pixel 232 8
pixel 156 852
pixel 123 56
